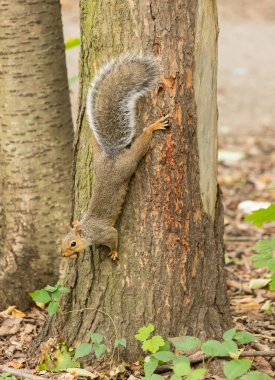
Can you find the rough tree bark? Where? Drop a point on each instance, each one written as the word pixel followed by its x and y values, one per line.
pixel 36 146
pixel 171 250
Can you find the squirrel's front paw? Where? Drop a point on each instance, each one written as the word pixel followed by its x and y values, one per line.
pixel 114 255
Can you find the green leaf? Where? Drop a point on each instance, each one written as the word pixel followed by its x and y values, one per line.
pixel 256 375
pixel 150 366
pixel 153 344
pixel 166 346
pixel 50 288
pixel 40 296
pixel 272 283
pixel 197 374
pixel 213 348
pixel 265 257
pixel 229 334
pixel 244 337
pixel 262 215
pixel 83 350
pixel 96 338
pixel 186 343
pixel 64 290
pixel 5 376
pixel 164 356
pixel 230 346
pixel 144 332
pixel 56 295
pixel 71 43
pixel 181 359
pixel 52 308
pixel 100 349
pixel 81 372
pixel 181 369
pixel 120 342
pixel 236 368
pixel 64 359
pixel 175 377
pixel 156 377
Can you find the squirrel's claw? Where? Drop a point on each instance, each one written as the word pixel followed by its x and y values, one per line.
pixel 114 255
pixel 162 123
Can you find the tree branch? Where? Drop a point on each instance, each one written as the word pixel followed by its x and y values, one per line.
pixel 20 373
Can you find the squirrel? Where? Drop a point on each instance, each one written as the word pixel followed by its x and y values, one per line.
pixel 111 103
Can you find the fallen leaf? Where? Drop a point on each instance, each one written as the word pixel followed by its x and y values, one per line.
pixel 18 313
pixel 14 364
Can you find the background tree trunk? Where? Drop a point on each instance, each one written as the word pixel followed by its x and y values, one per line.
pixel 171 252
pixel 36 141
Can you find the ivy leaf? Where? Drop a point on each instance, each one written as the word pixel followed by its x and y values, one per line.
pixel 229 334
pixel 213 348
pixel 52 308
pixel 83 350
pixel 96 338
pixel 197 374
pixel 40 296
pixel 150 366
pixel 144 332
pixel 100 349
pixel 186 343
pixel 244 337
pixel 153 344
pixel 256 375
pixel 181 369
pixel 164 356
pixel 120 342
pixel 236 368
pixel 262 215
pixel 230 347
pixel 71 43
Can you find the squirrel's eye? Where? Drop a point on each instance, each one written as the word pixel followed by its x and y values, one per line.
pixel 73 243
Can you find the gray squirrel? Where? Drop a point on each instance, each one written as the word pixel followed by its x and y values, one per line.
pixel 111 104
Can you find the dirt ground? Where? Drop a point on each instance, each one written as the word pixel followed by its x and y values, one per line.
pixel 246 96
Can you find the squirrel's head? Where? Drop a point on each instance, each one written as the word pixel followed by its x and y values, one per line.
pixel 74 242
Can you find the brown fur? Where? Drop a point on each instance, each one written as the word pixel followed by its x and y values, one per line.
pixel 111 113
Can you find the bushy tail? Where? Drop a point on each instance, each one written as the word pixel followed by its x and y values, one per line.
pixel 112 99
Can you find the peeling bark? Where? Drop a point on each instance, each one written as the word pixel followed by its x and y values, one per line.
pixel 36 138
pixel 170 270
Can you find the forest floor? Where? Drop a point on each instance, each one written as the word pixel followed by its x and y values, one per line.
pixel 246 94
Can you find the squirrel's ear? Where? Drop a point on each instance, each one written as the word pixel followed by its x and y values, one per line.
pixel 68 228
pixel 75 223
pixel 78 230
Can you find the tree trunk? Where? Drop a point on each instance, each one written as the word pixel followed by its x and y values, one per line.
pixel 36 140
pixel 170 271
